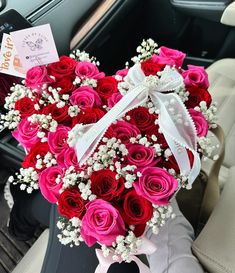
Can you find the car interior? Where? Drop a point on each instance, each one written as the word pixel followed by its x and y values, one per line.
pixel 203 29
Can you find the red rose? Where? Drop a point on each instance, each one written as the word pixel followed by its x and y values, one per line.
pixel 122 130
pixel 31 158
pixel 64 67
pixel 25 106
pixel 150 68
pixel 66 85
pixel 105 185
pixel 71 204
pixel 141 156
pixel 142 118
pixel 58 114
pixel 90 115
pixel 172 164
pixel 154 130
pixel 106 87
pixel 136 211
pixel 196 95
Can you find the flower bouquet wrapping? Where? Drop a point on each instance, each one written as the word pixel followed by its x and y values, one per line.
pixel 112 151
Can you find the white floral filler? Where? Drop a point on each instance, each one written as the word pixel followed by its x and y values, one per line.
pixel 139 152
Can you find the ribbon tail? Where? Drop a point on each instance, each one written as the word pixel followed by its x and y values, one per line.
pixel 180 135
pixel 196 168
pixel 104 263
pixel 85 146
pixel 171 133
pixel 102 268
pixel 142 267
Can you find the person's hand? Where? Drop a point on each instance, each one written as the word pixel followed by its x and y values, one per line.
pixel 174 240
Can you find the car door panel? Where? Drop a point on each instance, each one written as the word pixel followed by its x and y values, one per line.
pixel 192 26
pixel 207 9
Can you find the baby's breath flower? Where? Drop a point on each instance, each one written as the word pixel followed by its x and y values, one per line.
pixel 28 178
pixel 146 50
pixel 82 56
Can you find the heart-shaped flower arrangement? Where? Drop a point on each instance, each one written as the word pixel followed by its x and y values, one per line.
pixel 111 151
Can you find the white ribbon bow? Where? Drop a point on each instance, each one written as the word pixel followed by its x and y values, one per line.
pixel 147 247
pixel 174 120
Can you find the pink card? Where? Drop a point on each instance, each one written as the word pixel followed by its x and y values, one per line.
pixel 35 46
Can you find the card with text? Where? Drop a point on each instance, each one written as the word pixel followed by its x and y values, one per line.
pixel 10 62
pixel 35 46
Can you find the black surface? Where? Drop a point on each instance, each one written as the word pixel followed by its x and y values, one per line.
pixel 12 21
pixel 11 250
pixel 114 39
pixel 3 4
pixel 28 213
pixel 196 36
pixel 11 153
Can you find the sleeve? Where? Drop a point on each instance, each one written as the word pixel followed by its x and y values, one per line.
pixel 174 241
pixel 28 212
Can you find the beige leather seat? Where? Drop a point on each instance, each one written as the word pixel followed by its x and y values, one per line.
pixel 228 16
pixel 215 245
pixel 222 87
pixel 33 260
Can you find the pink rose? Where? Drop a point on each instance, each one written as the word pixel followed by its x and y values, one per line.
pixel 101 223
pixel 122 72
pixel 156 185
pixel 48 183
pixel 67 158
pixel 85 97
pixel 141 156
pixel 200 122
pixel 162 60
pixel 88 70
pixel 176 55
pixel 26 133
pixel 196 76
pixel 57 140
pixel 37 76
pixel 122 130
pixel 115 98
